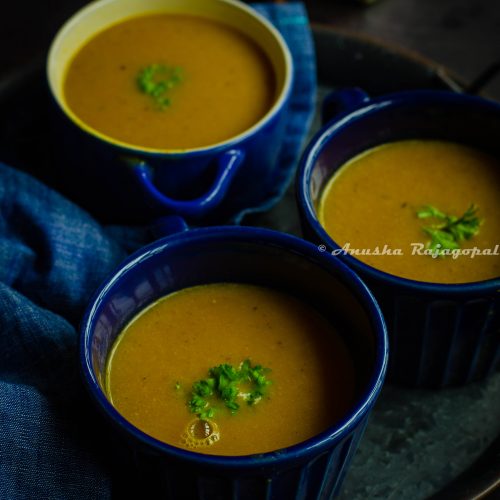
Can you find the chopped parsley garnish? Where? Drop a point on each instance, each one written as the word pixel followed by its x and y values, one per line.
pixel 228 386
pixel 156 80
pixel 449 230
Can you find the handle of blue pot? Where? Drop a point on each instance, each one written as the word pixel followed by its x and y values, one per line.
pixel 228 164
pixel 342 101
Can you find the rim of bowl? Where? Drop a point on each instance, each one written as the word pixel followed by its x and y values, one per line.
pixel 344 120
pixel 279 103
pixel 271 238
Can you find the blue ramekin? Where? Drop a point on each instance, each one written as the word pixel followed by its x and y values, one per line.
pixel 440 335
pixel 313 469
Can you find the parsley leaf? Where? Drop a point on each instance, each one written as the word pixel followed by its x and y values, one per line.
pixel 449 230
pixel 226 383
pixel 156 80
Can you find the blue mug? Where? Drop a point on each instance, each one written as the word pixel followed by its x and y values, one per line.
pixel 440 335
pixel 312 469
pixel 126 183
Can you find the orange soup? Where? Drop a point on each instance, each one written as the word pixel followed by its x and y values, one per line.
pixel 433 205
pixel 302 374
pixel 170 81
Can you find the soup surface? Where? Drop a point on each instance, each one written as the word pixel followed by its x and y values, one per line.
pixel 373 200
pixel 217 82
pixel 172 344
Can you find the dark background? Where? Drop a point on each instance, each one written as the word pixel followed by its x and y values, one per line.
pixel 463 35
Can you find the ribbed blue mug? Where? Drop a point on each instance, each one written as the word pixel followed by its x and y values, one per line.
pixel 128 183
pixel 313 469
pixel 440 335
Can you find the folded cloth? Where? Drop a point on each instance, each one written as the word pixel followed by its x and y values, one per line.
pixel 52 256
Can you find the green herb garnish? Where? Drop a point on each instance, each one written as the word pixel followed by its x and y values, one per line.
pixel 156 80
pixel 230 386
pixel 449 230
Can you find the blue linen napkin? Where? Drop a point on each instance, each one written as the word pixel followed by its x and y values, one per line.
pixel 52 256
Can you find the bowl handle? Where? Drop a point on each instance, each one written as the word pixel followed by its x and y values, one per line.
pixel 342 101
pixel 228 164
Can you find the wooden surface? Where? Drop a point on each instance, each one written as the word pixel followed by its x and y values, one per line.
pixel 463 35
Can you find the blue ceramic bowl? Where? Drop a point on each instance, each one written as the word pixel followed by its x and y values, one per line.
pixel 132 183
pixel 312 469
pixel 440 334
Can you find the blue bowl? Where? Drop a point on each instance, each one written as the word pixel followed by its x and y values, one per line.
pixel 132 183
pixel 312 469
pixel 440 335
